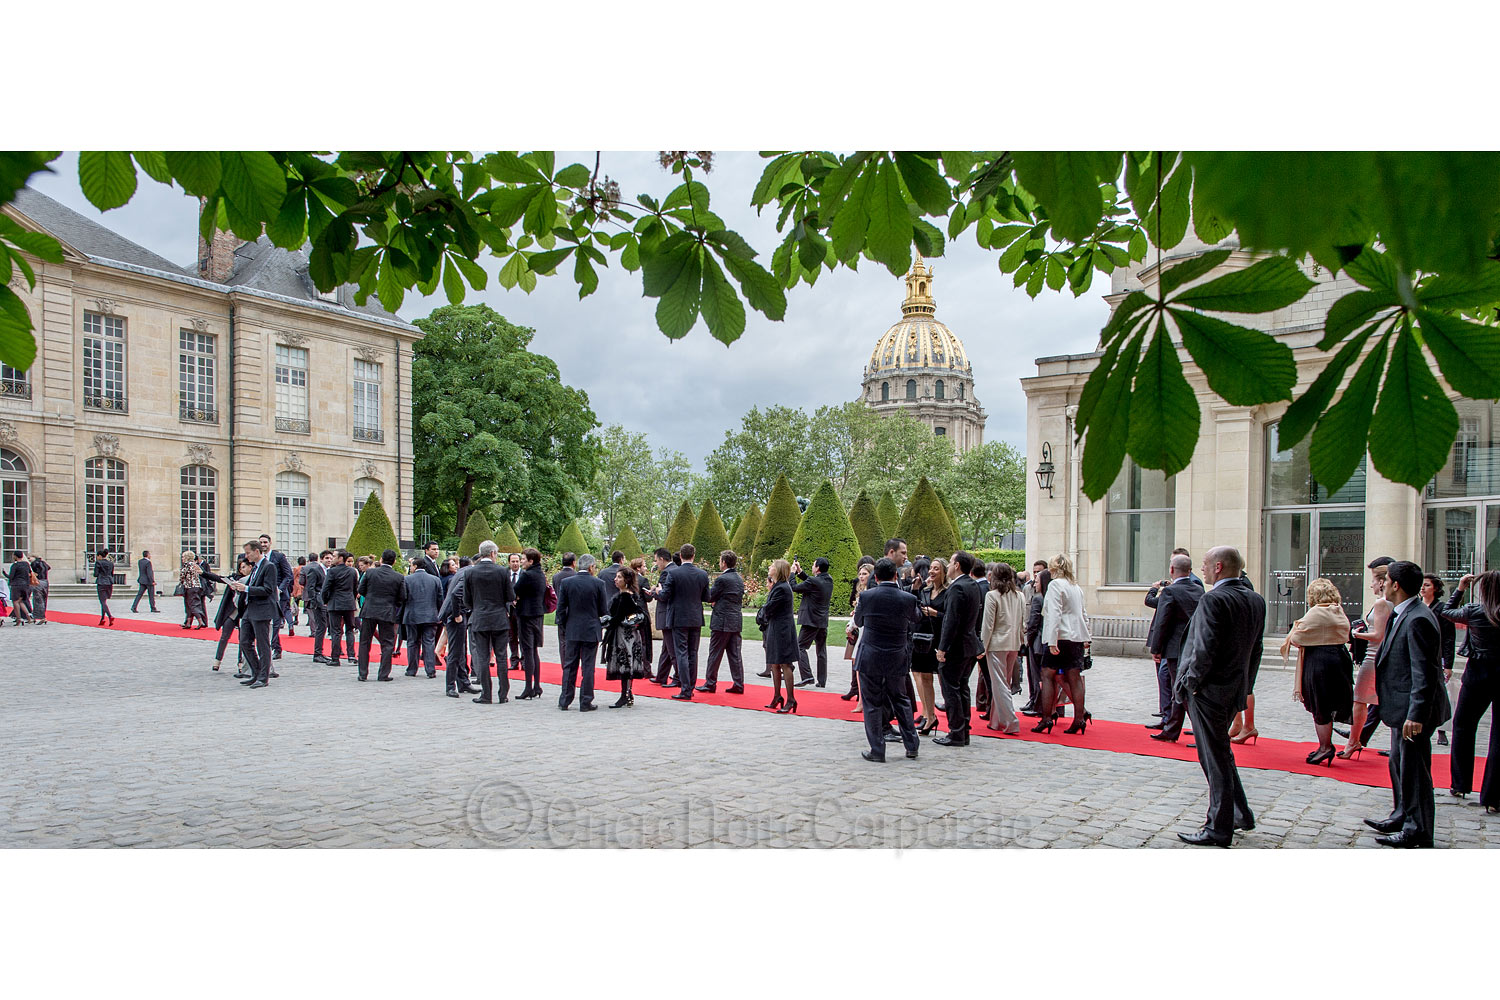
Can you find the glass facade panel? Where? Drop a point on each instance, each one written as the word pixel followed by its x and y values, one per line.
pixel 1473 467
pixel 104 505
pixel 1139 526
pixel 1289 479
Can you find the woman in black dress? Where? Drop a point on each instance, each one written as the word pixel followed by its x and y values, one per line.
pixel 228 617
pixel 1324 682
pixel 932 598
pixel 1480 687
pixel 623 653
pixel 642 587
pixel 104 580
pixel 779 627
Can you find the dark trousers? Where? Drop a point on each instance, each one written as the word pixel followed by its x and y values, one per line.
pixel 283 607
pixel 421 647
pixel 1034 677
pixel 810 635
pixel 685 652
pixel 341 623
pixel 255 647
pixel 485 646
pixel 1226 796
pixel 317 621
pixel 147 591
pixel 581 658
pixel 956 699
pixel 1479 691
pixel 720 643
pixel 1411 785
pixel 1164 685
pixel 456 660
pixel 1171 723
pixel 515 639
pixel 225 631
pixel 386 632
pixel 531 642
pixel 879 695
pixel 667 665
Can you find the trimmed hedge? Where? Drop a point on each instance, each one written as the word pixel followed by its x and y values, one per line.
pixel 778 525
pixel 1016 558
pixel 572 540
pixel 825 531
pixel 867 528
pixel 743 539
pixel 890 519
pixel 475 531
pixel 372 533
pixel 925 524
pixel 627 543
pixel 709 537
pixel 682 528
pixel 958 530
pixel 506 539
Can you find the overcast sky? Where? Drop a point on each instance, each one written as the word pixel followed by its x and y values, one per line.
pixel 685 394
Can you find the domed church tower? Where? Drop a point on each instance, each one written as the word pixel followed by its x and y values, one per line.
pixel 919 367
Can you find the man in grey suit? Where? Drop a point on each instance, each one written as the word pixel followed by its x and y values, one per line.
pixel 581 602
pixel 145 579
pixel 1214 674
pixel 423 594
pixel 257 610
pixel 487 595
pixel 684 591
pixel 1413 703
pixel 1175 603
pixel 727 595
pixel 451 614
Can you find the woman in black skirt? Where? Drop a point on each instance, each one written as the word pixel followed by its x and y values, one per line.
pixel 1479 691
pixel 932 598
pixel 779 627
pixel 623 653
pixel 1324 682
pixel 104 580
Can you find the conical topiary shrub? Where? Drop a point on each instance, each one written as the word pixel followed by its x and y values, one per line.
pixel 958 529
pixel 778 525
pixel 925 524
pixel 372 533
pixel 682 528
pixel 506 539
pixel 476 530
pixel 825 531
pixel 743 539
pixel 627 543
pixel 572 540
pixel 867 529
pixel 709 537
pixel 890 519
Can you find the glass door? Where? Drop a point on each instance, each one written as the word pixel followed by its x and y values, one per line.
pixel 1288 565
pixel 1341 555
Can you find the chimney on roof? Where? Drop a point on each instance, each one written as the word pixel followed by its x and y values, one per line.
pixel 216 257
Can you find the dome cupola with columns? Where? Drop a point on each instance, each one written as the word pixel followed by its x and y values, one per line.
pixel 919 367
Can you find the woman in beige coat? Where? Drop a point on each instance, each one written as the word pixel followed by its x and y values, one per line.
pixel 1003 630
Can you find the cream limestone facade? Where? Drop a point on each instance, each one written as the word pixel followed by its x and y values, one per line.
pixel 1242 489
pixel 166 412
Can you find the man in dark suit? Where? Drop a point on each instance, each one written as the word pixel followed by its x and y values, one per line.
pixel 145 580
pixel 422 595
pixel 568 559
pixel 886 616
pixel 341 601
pixel 958 649
pixel 1175 602
pixel 607 574
pixel 257 610
pixel 1221 649
pixel 427 562
pixel 487 596
pixel 812 619
pixel 581 602
pixel 513 560
pixel 1413 702
pixel 314 575
pixel 384 592
pixel 727 595
pixel 666 663
pixel 451 615
pixel 685 590
pixel 283 591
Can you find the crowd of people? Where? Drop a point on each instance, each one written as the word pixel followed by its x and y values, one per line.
pixel 23 590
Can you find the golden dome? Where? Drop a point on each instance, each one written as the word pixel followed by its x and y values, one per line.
pixel 918 340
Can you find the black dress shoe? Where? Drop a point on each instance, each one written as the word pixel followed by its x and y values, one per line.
pixel 247 683
pixel 911 755
pixel 361 679
pixel 736 689
pixel 1031 712
pixel 683 696
pixel 588 708
pixel 1158 715
pixel 483 701
pixel 275 674
pixel 671 684
pixel 1245 827
pixel 1157 725
pixel 1163 737
pixel 501 701
pixel 1383 825
pixel 257 684
pixel 453 694
pixel 470 690
pixel 1202 838
pixel 240 673
pixel 276 655
pixel 870 756
pixel 411 673
pixel 1401 840
pixel 324 659
pixel 764 673
pixel 705 688
pixel 949 741
pixel 807 683
pixel 378 678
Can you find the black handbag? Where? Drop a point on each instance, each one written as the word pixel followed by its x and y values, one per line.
pixel 1358 647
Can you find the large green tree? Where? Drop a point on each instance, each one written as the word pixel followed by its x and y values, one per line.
pixel 1418 231
pixel 769 443
pixel 625 481
pixel 494 424
pixel 676 483
pixel 987 491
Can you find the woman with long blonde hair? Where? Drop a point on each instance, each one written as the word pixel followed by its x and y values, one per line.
pixel 1065 633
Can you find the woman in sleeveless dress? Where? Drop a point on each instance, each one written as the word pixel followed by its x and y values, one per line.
pixel 1376 618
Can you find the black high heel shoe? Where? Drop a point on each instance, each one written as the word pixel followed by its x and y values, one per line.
pixel 853 693
pixel 1043 727
pixel 1324 757
pixel 929 727
pixel 1078 726
pixel 624 700
pixel 776 702
pixel 790 708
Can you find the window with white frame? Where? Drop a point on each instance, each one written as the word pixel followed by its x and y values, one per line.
pixel 103 362
pixel 366 403
pixel 15 503
pixel 14 383
pixel 291 390
pixel 104 505
pixel 292 489
pixel 1139 526
pixel 200 512
pixel 197 372
pixel 362 490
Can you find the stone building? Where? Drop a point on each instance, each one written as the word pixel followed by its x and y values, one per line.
pixel 919 368
pixel 1242 488
pixel 172 408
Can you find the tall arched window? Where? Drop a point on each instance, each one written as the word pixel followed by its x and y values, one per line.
pixel 104 505
pixel 362 490
pixel 960 390
pixel 911 388
pixel 292 489
pixel 885 392
pixel 199 501
pixel 15 503
pixel 939 389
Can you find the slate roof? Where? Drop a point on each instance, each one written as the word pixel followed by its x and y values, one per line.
pixel 86 234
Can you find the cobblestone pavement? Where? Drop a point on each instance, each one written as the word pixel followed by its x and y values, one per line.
pixel 130 740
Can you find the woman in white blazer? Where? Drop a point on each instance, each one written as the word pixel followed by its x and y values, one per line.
pixel 1003 630
pixel 1065 631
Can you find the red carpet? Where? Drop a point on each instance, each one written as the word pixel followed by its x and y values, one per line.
pixel 1117 737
